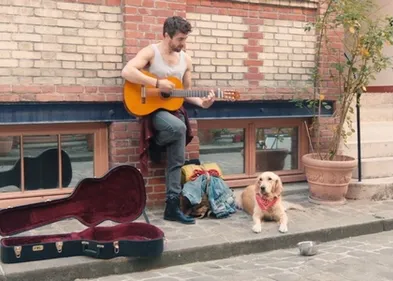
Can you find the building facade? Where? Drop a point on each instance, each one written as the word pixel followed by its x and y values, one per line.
pixel 61 91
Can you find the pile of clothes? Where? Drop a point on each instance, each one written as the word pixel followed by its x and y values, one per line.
pixel 207 192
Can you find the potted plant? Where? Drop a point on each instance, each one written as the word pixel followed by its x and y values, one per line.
pixel 350 68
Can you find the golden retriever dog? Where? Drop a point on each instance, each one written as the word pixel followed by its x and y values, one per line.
pixel 263 201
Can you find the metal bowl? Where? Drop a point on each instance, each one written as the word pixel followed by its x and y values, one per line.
pixel 307 248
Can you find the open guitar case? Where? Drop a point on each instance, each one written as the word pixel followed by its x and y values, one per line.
pixel 119 196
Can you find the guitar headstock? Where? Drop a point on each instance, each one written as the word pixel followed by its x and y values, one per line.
pixel 230 95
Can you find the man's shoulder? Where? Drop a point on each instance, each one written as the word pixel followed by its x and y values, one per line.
pixel 148 49
pixel 187 56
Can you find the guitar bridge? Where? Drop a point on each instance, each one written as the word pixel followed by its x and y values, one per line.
pixel 219 94
pixel 143 94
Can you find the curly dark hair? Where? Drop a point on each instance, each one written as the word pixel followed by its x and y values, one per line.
pixel 176 24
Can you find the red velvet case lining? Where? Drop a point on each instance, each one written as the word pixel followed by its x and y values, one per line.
pixel 118 196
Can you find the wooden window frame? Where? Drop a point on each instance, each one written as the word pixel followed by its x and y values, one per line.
pixel 100 157
pixel 250 126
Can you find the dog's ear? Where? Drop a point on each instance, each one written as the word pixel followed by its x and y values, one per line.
pixel 257 183
pixel 277 187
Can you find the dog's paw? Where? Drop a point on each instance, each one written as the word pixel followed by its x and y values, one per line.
pixel 283 228
pixel 257 228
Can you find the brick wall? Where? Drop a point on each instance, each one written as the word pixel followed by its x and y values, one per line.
pixel 56 50
pixel 256 48
pixel 74 50
pixel 233 51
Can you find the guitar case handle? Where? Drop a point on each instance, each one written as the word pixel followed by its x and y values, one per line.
pixel 95 253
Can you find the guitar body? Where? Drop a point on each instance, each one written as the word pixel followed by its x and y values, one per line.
pixel 136 105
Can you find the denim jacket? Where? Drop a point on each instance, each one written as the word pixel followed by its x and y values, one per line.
pixel 221 197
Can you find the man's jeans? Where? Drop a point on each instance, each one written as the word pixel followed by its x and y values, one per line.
pixel 171 132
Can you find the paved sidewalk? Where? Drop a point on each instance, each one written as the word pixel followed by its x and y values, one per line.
pixel 213 239
pixel 367 258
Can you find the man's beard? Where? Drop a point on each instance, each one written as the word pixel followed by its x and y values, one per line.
pixel 176 49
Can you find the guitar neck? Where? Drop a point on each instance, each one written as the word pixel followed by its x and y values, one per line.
pixel 193 93
pixel 188 93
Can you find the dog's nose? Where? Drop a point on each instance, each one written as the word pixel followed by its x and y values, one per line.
pixel 263 188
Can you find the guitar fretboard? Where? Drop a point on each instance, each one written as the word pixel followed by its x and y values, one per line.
pixel 192 93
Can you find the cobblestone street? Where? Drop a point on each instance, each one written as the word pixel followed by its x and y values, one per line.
pixel 361 258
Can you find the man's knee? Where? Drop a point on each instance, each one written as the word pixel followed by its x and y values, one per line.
pixel 179 129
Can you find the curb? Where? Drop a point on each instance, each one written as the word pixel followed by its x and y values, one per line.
pixel 100 268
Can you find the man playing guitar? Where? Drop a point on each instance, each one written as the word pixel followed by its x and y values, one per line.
pixel 164 129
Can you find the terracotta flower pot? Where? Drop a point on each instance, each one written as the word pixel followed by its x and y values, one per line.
pixel 328 180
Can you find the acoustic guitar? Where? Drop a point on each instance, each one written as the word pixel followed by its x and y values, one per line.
pixel 141 100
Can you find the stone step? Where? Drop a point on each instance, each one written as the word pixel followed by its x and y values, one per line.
pixel 373 131
pixel 375 168
pixel 370 149
pixel 371 189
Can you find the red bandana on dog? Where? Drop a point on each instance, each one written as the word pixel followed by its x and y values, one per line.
pixel 265 203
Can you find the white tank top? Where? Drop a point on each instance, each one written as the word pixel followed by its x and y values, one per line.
pixel 162 70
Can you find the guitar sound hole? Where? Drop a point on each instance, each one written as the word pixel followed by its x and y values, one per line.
pixel 165 95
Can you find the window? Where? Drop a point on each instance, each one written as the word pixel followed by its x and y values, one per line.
pixel 223 146
pixel 244 148
pixel 276 149
pixel 38 162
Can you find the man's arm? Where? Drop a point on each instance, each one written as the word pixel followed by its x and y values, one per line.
pixel 187 78
pixel 131 71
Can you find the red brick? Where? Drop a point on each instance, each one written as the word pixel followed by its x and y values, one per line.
pixel 253 48
pixel 113 2
pixel 160 188
pixel 50 97
pixel 133 2
pixel 26 89
pixel 292 17
pixel 128 10
pixel 161 5
pixel 70 89
pixel 13 98
pixel 5 88
pixel 108 89
pixel 91 89
pixel 253 63
pixel 253 76
pixel 153 181
pixel 24 97
pixel 177 6
pixel 148 3
pixel 269 15
pixel 156 196
pixel 253 35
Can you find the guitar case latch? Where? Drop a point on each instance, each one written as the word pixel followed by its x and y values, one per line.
pixel 18 251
